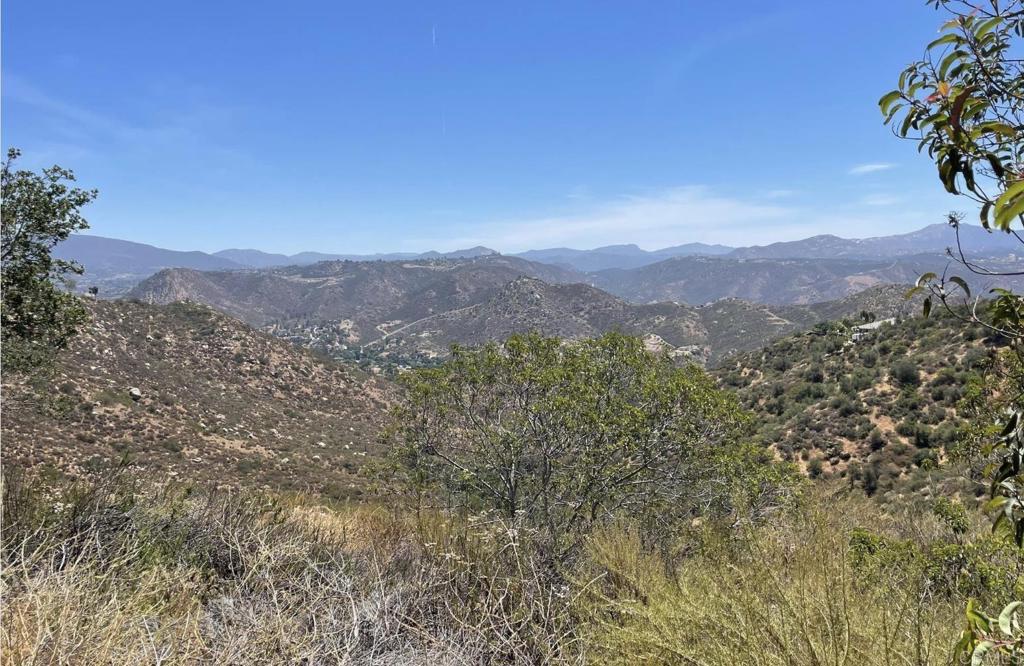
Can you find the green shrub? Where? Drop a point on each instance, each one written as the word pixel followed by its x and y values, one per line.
pixel 905 373
pixel 557 437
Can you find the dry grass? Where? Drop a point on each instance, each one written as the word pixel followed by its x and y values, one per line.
pixel 792 591
pixel 115 574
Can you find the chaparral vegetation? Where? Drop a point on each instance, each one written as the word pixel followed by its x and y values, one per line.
pixel 501 465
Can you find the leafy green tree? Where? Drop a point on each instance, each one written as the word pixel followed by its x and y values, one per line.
pixel 38 314
pixel 963 102
pixel 555 437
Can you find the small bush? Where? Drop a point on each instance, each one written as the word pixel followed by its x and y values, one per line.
pixel 905 373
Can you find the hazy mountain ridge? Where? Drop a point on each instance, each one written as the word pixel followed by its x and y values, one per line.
pixel 115 266
pixel 618 256
pixel 935 238
pixel 372 297
pixel 703 335
pixel 260 259
pixel 564 310
pixel 698 280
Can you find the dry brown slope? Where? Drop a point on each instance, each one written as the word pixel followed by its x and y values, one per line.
pixel 219 401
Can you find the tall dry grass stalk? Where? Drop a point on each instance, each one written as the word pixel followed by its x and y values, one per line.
pixel 785 593
pixel 115 576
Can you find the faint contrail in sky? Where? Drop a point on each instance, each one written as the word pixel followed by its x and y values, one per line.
pixel 433 43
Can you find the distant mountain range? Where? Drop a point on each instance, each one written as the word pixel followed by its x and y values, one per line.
pixel 934 238
pixel 618 256
pixel 417 308
pixel 115 266
pixel 696 301
pixel 700 280
pixel 258 259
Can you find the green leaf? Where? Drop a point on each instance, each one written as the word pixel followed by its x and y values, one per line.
pixel 994 127
pixel 892 112
pixel 948 61
pixel 947 173
pixel 960 282
pixel 987 26
pixel 950 38
pixel 1006 617
pixel 927 307
pixel 925 279
pixel 1010 205
pixel 980 650
pixel 908 122
pixel 977 618
pixel 887 100
pixel 995 504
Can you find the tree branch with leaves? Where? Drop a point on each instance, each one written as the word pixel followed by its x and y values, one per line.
pixel 38 314
pixel 963 103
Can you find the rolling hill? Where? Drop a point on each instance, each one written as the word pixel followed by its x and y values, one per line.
pixel 878 411
pixel 115 266
pixel 369 297
pixel 704 334
pixel 565 310
pixel 698 280
pixel 217 401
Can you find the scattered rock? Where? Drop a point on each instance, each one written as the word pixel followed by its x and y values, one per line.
pixel 135 394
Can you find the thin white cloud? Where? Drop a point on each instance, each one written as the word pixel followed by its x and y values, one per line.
pixel 880 200
pixel 673 216
pixel 191 124
pixel 690 214
pixel 862 169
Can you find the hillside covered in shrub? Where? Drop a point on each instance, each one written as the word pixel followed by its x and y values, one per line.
pixel 879 407
pixel 185 391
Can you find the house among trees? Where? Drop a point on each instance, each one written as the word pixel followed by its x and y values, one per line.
pixel 867 330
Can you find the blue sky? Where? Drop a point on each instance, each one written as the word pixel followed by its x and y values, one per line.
pixel 377 126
